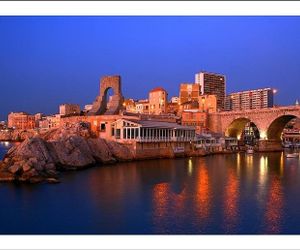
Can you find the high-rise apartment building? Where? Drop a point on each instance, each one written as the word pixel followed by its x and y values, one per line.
pixel 250 99
pixel 212 84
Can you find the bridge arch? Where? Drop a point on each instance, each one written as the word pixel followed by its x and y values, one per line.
pixel 277 125
pixel 236 127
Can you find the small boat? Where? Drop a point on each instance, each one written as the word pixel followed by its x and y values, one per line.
pixel 249 150
pixel 292 155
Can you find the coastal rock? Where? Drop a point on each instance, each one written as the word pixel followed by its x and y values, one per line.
pixel 100 150
pixel 15 168
pixel 32 150
pixel 120 151
pixel 17 135
pixel 73 152
pixel 78 129
pixel 26 167
pixel 6 176
pixel 41 157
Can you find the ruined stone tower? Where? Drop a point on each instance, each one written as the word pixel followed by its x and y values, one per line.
pixel 100 105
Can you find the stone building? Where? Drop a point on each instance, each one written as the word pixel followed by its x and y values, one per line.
pixel 173 108
pixel 142 107
pixel 208 103
pixel 3 125
pixel 21 120
pixel 195 113
pixel 195 118
pixel 129 105
pixel 87 108
pixel 69 109
pixel 174 99
pixel 158 100
pixel 189 105
pixel 189 92
pixel 50 121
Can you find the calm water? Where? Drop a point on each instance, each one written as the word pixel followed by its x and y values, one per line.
pixel 213 195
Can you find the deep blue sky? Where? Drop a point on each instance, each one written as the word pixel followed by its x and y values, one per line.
pixel 45 61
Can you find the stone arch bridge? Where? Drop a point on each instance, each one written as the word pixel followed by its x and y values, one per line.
pixel 269 121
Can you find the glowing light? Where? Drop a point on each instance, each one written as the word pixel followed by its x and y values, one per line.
pixel 263 166
pixel 239 137
pixel 249 160
pixel 238 159
pixel 263 135
pixel 281 163
pixel 190 167
pixel 275 91
pixel 238 163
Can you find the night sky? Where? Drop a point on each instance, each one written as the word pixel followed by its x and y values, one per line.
pixel 46 61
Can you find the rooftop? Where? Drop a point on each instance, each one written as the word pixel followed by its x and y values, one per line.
pixel 251 90
pixel 159 124
pixel 158 89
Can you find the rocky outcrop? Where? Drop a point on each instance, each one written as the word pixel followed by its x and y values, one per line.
pixel 17 135
pixel 42 157
pixel 120 152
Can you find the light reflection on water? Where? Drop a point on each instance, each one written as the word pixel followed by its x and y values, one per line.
pixel 221 194
pixel 274 205
pixel 231 197
pixel 4 147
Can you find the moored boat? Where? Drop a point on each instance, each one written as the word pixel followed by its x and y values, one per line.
pixel 292 155
pixel 250 150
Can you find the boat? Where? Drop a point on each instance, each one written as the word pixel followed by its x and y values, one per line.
pixel 292 155
pixel 250 150
pixel 287 144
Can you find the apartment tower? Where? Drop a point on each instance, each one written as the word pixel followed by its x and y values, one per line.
pixel 212 84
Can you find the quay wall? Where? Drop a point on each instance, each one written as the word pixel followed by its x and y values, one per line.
pixel 269 146
pixel 154 150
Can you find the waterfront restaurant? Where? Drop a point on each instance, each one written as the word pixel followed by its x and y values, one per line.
pixel 126 131
pixel 215 142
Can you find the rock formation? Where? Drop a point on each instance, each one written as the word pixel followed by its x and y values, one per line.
pixel 72 147
pixel 17 135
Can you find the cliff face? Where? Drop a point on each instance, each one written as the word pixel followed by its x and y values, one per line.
pixel 42 157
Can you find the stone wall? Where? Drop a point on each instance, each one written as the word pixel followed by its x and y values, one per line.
pixel 269 146
pixel 95 123
pixel 151 150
